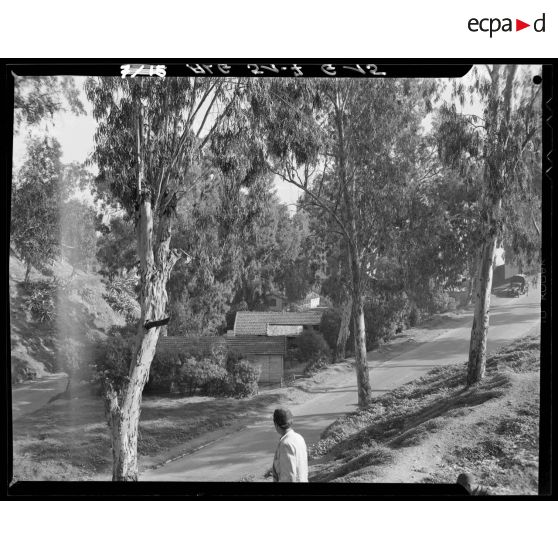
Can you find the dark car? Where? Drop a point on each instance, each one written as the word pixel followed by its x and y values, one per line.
pixel 518 285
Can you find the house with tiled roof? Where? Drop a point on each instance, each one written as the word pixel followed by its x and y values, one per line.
pixel 262 337
pixel 275 323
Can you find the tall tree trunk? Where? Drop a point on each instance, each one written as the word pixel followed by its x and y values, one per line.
pixel 361 362
pixel 497 127
pixel 479 331
pixel 27 272
pixel 156 266
pixel 343 334
pixel 156 263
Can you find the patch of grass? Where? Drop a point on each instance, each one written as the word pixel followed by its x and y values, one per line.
pixel 419 410
pixel 69 438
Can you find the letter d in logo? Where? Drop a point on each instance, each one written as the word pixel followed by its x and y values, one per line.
pixel 539 22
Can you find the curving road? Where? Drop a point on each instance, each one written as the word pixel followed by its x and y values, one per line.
pixel 248 453
pixel 30 396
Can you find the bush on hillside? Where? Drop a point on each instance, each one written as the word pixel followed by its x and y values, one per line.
pixel 41 301
pixel 312 346
pixel 121 297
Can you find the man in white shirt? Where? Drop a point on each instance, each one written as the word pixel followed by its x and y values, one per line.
pixel 291 458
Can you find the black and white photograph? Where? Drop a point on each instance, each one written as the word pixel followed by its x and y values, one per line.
pixel 320 273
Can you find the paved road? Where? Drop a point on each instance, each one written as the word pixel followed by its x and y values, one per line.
pixel 250 451
pixel 30 396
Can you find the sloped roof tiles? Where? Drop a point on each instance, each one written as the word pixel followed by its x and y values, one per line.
pixel 255 323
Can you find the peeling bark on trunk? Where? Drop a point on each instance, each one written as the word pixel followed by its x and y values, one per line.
pixel 479 331
pixel 343 335
pixel 155 273
pixel 27 273
pixel 156 263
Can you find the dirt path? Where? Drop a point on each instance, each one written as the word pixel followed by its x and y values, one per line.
pixel 246 454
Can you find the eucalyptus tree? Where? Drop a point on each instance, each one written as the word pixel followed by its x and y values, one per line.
pixel 36 200
pixel 498 149
pixel 350 146
pixel 152 136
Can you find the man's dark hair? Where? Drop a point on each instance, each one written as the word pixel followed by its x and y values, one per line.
pixel 283 418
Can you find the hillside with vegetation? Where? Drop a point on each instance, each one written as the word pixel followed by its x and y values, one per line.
pixel 436 427
pixel 50 310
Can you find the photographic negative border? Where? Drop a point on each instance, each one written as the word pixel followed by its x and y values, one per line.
pixel 357 69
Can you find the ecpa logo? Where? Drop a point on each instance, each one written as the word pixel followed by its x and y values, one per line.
pixel 494 24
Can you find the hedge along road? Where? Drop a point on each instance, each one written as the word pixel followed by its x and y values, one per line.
pixel 248 454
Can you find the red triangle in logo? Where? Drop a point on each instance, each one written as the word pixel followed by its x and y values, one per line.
pixel 519 25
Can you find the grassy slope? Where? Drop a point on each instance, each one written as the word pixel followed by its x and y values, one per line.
pixel 432 429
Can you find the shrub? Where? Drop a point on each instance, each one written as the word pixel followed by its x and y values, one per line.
pixel 242 380
pixel 312 346
pixel 165 371
pixel 315 366
pixel 441 301
pixel 41 300
pixel 121 298
pixel 212 378
pixel 194 371
pixel 21 371
pixel 188 377
pixel 384 316
pixel 232 358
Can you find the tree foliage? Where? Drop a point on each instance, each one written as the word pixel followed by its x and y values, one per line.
pixel 116 246
pixel 37 98
pixel 36 201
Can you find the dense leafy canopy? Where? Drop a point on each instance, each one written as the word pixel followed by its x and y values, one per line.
pixel 36 201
